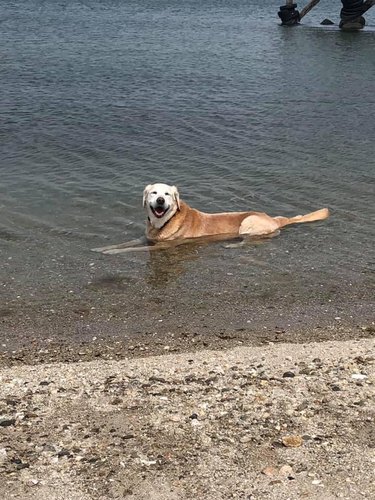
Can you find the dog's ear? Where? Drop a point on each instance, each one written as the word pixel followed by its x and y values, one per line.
pixel 145 194
pixel 176 196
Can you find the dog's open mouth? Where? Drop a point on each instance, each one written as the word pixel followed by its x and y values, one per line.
pixel 159 211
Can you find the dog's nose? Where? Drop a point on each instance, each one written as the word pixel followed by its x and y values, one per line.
pixel 160 200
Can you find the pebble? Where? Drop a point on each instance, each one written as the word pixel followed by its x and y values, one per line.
pixel 64 453
pixel 359 376
pixel 316 481
pixel 245 439
pixel 175 418
pixel 270 471
pixel 327 22
pixel 289 374
pixel 147 462
pixel 7 422
pixel 292 441
pixel 3 455
pixel 336 388
pixel 287 471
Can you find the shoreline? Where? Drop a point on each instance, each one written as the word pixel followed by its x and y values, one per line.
pixel 41 351
pixel 63 337
pixel 275 422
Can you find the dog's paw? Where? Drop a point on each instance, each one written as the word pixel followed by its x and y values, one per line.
pixel 239 244
pixel 112 251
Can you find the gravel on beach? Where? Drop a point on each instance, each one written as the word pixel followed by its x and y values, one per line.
pixel 283 421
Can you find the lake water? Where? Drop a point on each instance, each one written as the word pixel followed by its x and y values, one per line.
pixel 99 98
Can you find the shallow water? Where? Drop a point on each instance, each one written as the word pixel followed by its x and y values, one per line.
pixel 100 98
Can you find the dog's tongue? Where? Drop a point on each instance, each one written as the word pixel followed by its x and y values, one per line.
pixel 159 210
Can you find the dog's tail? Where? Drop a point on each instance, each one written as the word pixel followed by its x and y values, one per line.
pixel 321 214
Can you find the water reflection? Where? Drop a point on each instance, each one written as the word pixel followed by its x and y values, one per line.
pixel 168 265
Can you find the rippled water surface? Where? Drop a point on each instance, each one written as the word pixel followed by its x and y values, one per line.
pixel 99 98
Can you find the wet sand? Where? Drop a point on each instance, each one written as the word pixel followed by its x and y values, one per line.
pixel 116 317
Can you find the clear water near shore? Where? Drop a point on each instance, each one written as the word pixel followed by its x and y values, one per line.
pixel 100 98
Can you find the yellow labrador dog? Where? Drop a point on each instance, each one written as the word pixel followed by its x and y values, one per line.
pixel 171 220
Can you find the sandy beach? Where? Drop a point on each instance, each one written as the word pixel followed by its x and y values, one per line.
pixel 279 421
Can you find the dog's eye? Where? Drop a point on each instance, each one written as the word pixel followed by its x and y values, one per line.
pixel 154 192
pixel 167 194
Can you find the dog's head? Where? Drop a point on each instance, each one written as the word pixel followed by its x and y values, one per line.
pixel 161 202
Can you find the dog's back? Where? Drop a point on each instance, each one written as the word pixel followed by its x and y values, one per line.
pixel 191 223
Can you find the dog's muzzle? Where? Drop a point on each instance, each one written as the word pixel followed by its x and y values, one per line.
pixel 160 208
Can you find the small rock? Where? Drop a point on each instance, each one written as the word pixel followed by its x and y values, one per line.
pixel 44 382
pixel 303 406
pixel 19 464
pixel 289 375
pixel 359 376
pixel 128 436
pixel 306 371
pixel 64 453
pixel 7 422
pixel 292 441
pixel 336 388
pixel 23 465
pixel 245 439
pixel 154 378
pixel 270 471
pixel 146 462
pixel 3 455
pixel 307 437
pixel 286 471
pixel 327 22
pixel 175 418
pixel 49 448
